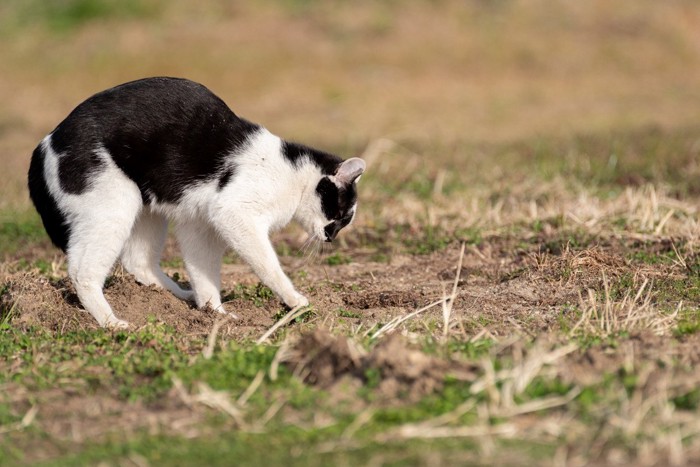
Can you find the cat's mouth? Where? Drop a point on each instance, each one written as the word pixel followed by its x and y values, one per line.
pixel 331 230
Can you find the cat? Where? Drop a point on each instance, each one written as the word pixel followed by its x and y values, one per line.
pixel 108 179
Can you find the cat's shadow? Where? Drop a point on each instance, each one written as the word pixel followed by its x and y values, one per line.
pixel 65 288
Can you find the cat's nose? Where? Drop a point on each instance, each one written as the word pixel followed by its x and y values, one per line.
pixel 331 230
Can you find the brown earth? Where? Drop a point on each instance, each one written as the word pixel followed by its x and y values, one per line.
pixel 502 288
pixel 324 360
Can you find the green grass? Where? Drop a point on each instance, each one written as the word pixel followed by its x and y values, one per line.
pixel 343 313
pixel 688 401
pixel 611 160
pixel 66 16
pixel 672 290
pixel 20 230
pixel 432 239
pixel 337 259
pixel 290 446
pixel 689 322
pixel 133 365
pixel 259 294
pixel 654 258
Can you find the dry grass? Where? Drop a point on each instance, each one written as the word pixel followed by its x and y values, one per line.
pixel 634 313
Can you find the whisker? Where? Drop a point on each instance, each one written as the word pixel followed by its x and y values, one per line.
pixel 307 252
pixel 304 248
pixel 315 251
pixel 310 249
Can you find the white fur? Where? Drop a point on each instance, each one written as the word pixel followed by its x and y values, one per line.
pixel 109 221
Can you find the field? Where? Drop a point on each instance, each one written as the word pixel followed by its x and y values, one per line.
pixel 521 285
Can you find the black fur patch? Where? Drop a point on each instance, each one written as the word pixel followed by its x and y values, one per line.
pixel 336 202
pixel 329 198
pixel 76 168
pixel 164 133
pixel 53 219
pixel 77 159
pixel 331 229
pixel 225 178
pixel 295 153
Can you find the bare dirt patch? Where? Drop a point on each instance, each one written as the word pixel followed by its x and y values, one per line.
pixel 54 305
pixel 382 298
pixel 526 290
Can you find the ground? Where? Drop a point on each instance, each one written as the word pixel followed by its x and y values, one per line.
pixel 521 284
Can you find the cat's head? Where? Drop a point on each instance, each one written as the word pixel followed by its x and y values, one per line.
pixel 332 205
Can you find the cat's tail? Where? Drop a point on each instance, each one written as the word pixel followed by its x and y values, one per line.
pixel 54 220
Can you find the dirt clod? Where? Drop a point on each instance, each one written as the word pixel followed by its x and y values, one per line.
pixel 322 359
pixel 405 370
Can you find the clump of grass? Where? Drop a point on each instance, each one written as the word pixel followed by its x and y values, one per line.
pixel 259 294
pixel 343 313
pixel 337 259
pixel 430 240
pixel 604 317
pixel 688 323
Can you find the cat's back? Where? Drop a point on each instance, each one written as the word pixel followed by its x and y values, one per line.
pixel 155 110
pixel 163 133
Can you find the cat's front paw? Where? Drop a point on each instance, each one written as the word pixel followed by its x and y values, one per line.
pixel 297 302
pixel 112 322
pixel 220 309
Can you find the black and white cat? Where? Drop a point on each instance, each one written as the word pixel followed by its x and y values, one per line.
pixel 108 179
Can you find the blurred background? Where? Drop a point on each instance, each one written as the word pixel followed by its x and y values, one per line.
pixel 437 78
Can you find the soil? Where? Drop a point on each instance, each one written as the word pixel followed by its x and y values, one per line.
pixel 396 369
pixel 495 286
pixel 502 291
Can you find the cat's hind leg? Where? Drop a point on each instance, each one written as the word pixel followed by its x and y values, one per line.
pixel 202 249
pixel 142 252
pixel 90 259
pixel 100 224
pixel 99 205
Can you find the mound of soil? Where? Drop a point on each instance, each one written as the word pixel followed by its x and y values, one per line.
pixel 397 370
pixel 34 300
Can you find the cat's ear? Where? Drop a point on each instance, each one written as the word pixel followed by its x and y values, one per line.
pixel 350 170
